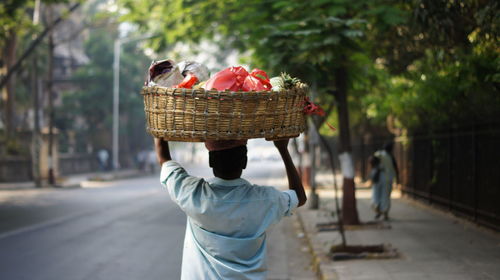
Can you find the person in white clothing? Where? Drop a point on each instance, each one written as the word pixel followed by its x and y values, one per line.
pixel 390 172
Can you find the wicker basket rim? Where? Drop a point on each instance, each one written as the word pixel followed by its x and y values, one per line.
pixel 146 90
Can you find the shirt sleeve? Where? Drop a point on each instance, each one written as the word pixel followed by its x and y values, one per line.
pixel 288 201
pixel 182 188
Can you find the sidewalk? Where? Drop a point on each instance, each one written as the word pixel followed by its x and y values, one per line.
pixel 432 244
pixel 78 180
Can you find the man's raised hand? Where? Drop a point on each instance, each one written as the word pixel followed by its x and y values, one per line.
pixel 162 150
pixel 281 144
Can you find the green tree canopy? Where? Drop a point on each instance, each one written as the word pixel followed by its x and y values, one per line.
pixel 88 109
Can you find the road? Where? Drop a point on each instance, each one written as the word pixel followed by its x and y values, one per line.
pixel 128 229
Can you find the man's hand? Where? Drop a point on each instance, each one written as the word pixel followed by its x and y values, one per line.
pixel 281 144
pixel 294 181
pixel 162 150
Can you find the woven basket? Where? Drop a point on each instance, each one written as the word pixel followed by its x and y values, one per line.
pixel 196 115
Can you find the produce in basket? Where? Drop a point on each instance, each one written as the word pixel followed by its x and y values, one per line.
pixel 167 73
pixel 236 105
pixel 188 81
pixel 164 73
pixel 231 78
pixel 237 78
pixel 199 70
pixel 284 82
pixel 256 80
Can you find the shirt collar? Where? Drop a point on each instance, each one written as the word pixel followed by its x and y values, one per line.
pixel 227 183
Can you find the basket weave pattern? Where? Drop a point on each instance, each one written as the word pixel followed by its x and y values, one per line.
pixel 196 115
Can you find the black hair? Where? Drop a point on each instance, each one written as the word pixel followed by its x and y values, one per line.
pixel 388 147
pixel 229 160
pixel 374 161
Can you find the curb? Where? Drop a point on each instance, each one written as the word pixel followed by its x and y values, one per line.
pixel 66 183
pixel 319 260
pixel 31 186
pixel 114 177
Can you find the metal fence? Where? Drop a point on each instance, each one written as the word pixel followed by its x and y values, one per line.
pixel 77 163
pixel 20 169
pixel 15 169
pixel 458 169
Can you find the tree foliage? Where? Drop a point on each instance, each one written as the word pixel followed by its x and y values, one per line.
pixel 16 16
pixel 88 109
pixel 439 67
pixel 309 39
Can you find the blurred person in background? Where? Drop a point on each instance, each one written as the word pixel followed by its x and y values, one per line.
pixel 390 171
pixel 151 162
pixel 377 183
pixel 103 157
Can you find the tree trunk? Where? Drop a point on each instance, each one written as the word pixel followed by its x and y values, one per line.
pixel 349 210
pixel 50 91
pixel 9 58
pixel 36 139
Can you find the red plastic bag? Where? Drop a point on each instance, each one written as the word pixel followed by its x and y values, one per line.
pixel 257 80
pixel 231 78
pixel 309 108
pixel 188 81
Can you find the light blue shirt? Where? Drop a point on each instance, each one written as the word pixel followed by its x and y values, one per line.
pixel 226 223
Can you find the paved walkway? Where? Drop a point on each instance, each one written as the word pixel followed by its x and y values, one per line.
pixel 432 244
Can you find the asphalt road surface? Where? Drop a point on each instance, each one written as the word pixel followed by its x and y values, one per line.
pixel 128 229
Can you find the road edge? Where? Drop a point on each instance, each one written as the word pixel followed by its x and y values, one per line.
pixel 320 261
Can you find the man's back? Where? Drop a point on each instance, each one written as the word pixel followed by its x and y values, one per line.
pixel 227 220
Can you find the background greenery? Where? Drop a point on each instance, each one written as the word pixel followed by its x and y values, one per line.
pixel 416 64
pixel 405 66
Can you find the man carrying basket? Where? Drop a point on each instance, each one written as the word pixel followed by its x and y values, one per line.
pixel 227 217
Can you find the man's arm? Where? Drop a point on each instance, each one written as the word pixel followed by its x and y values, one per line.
pixel 162 150
pixel 294 182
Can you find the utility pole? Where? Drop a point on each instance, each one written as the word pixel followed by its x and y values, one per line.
pixel 50 77
pixel 116 93
pixel 116 100
pixel 36 86
pixel 36 128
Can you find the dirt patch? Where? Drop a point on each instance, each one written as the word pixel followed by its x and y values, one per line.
pixel 351 252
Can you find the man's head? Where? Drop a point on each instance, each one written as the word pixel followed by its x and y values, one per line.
pixel 374 161
pixel 388 147
pixel 228 163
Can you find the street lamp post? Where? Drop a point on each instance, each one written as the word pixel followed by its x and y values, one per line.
pixel 116 100
pixel 116 94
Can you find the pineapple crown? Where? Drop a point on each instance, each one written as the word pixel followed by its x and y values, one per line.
pixel 288 81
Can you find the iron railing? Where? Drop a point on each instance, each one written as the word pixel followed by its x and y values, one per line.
pixel 457 169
